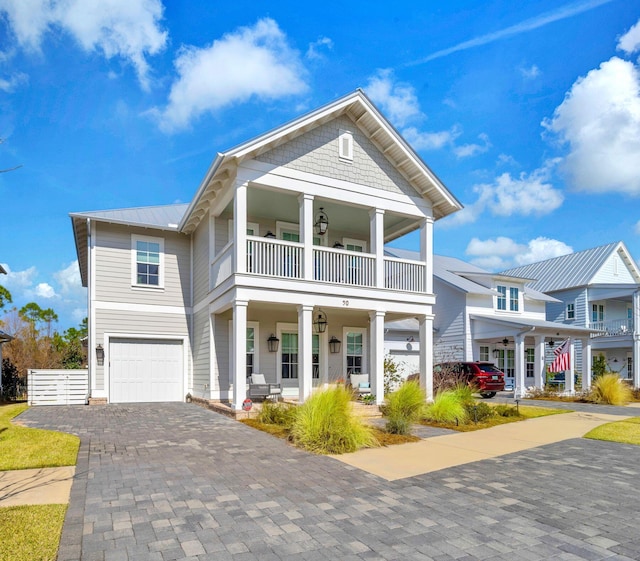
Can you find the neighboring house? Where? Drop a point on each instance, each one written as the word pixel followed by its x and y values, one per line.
pixel 276 266
pixel 4 337
pixel 597 288
pixel 492 317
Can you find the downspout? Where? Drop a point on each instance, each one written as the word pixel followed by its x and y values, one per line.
pixel 90 319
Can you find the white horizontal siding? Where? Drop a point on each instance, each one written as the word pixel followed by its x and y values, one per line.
pixel 201 261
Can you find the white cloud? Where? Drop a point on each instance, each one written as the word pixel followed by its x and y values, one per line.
pixel 599 120
pixel 125 28
pixel 531 72
pixel 398 100
pixel 69 281
pixel 467 150
pixel 18 280
pixel 314 52
pixel 506 159
pixel 503 253
pixel 637 228
pixel 429 140
pixel 45 290
pixel 251 61
pixel 9 84
pixel 630 41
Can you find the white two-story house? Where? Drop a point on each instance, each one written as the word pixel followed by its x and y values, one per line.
pixel 598 288
pixel 494 317
pixel 276 266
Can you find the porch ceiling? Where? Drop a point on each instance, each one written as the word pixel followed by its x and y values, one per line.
pixel 540 327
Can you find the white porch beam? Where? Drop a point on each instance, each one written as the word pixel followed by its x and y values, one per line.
pixel 539 369
pixel 520 367
pixel 426 252
pixel 305 350
pixel 425 331
pixel 239 353
pixel 377 355
pixel 587 363
pixel 376 234
pixel 306 234
pixel 240 228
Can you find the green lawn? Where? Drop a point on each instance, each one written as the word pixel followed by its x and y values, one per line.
pixel 24 448
pixel 30 533
pixel 627 432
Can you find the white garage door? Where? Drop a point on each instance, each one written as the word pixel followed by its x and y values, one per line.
pixel 143 370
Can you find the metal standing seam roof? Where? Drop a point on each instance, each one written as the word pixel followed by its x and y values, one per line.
pixel 163 216
pixel 566 271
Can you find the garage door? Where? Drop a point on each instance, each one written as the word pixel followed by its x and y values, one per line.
pixel 143 370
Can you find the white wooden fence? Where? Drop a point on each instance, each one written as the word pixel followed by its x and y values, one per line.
pixel 57 387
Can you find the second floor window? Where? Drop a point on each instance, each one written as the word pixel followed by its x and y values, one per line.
pixel 502 298
pixel 571 311
pixel 147 261
pixel 514 298
pixel 597 312
pixel 512 302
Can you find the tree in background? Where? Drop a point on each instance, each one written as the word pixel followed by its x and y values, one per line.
pixel 5 297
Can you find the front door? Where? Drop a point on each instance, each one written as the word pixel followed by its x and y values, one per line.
pixel 506 362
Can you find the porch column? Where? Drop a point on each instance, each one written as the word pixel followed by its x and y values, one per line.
pixel 539 370
pixel 587 363
pixel 520 368
pixel 426 252
pixel 376 368
pixel 305 350
pixel 636 339
pixel 569 378
pixel 306 234
pixel 213 359
pixel 425 331
pixel 376 234
pixel 240 228
pixel 239 353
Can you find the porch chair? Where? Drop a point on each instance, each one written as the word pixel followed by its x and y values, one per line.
pixel 260 389
pixel 360 384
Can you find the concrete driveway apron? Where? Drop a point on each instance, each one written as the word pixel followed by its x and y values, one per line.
pixel 174 481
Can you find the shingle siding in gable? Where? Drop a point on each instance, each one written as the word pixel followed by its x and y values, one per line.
pixel 317 152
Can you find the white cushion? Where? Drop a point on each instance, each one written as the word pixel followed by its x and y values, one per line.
pixel 258 379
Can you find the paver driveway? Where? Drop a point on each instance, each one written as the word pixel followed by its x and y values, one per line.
pixel 174 481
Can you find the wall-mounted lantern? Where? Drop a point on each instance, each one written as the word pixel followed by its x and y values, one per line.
pixel 100 355
pixel 272 343
pixel 334 344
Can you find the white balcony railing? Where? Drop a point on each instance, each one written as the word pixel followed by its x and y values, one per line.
pixel 403 274
pixel 344 267
pixel 612 327
pixel 274 258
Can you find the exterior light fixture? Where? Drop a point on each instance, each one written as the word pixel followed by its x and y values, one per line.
pixel 270 235
pixel 505 341
pixel 551 343
pixel 338 245
pixel 496 353
pixel 334 344
pixel 322 222
pixel 320 322
pixel 100 355
pixel 272 343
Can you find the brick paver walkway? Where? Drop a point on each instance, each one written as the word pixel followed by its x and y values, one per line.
pixel 176 482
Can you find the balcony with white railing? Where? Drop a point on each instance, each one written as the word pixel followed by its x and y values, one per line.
pixel 274 258
pixel 340 266
pixel 404 275
pixel 612 327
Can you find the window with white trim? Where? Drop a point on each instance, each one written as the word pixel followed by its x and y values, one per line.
pixel 315 356
pixel 289 355
pixel 345 145
pixel 484 353
pixel 253 338
pixel 501 302
pixel 514 298
pixel 147 260
pixel 597 312
pixel 354 351
pixel 571 311
pixel 508 298
pixel 530 360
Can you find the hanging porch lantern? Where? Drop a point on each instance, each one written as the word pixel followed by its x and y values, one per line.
pixel 322 223
pixel 320 322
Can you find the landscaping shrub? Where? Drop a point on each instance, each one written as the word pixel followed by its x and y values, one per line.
pixel 611 390
pixel 277 414
pixel 326 424
pixel 506 410
pixel 447 407
pixel 465 393
pixel 404 406
pixel 478 411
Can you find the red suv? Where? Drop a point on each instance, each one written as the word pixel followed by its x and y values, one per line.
pixel 482 375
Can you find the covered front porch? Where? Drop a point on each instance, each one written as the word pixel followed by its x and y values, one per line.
pixel 523 349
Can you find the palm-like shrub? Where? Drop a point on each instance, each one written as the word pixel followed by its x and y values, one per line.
pixel 447 407
pixel 610 389
pixel 404 406
pixel 326 424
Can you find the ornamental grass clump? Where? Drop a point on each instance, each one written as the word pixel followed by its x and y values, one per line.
pixel 611 390
pixel 282 414
pixel 326 424
pixel 447 407
pixel 404 407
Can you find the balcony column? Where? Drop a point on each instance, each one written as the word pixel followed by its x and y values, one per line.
pixel 376 234
pixel 239 353
pixel 305 350
pixel 539 366
pixel 426 252
pixel 636 339
pixel 306 234
pixel 587 363
pixel 240 228
pixel 376 376
pixel 520 389
pixel 425 333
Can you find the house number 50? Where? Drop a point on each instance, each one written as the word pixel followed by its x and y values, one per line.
pixel 345 302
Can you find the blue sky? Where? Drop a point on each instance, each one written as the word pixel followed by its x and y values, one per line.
pixel 528 112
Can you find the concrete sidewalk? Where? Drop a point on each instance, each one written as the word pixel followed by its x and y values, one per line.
pixel 36 486
pixel 441 452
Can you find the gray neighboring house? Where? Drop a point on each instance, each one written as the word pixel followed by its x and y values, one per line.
pixel 599 289
pixel 495 317
pixel 276 266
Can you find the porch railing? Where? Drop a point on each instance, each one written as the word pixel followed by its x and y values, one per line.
pixel 343 267
pixel 612 327
pixel 403 274
pixel 274 258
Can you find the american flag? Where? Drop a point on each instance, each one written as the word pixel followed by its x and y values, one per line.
pixel 562 360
